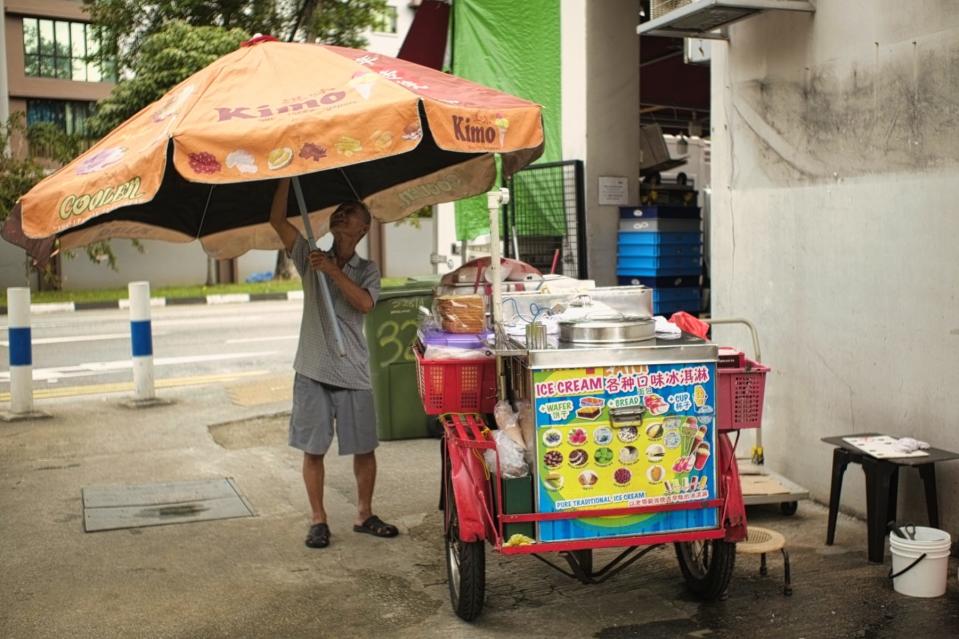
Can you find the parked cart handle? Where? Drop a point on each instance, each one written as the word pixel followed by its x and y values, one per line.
pixel 752 331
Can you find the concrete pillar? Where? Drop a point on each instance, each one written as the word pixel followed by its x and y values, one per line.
pixel 600 112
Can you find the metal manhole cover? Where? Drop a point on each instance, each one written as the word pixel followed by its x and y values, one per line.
pixel 136 506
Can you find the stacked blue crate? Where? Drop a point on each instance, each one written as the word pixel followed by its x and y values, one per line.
pixel 662 247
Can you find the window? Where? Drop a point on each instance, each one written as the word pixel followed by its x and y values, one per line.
pixel 64 50
pixel 386 21
pixel 69 116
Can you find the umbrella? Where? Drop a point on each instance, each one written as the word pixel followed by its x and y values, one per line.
pixel 201 163
pixel 352 124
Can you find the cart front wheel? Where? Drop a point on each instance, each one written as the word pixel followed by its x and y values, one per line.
pixel 465 568
pixel 707 566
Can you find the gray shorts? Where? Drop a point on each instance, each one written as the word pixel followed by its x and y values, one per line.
pixel 317 407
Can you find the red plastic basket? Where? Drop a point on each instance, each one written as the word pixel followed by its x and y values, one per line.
pixel 740 392
pixel 456 386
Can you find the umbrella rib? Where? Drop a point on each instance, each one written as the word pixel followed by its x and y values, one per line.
pixel 350 184
pixel 206 206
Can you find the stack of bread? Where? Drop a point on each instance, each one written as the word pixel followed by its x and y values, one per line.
pixel 461 313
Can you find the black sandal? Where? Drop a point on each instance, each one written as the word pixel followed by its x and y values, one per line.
pixel 376 527
pixel 319 536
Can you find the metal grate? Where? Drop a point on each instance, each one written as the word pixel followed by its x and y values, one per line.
pixel 545 218
pixel 662 7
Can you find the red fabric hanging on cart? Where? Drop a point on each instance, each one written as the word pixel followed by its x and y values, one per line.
pixel 735 512
pixel 690 324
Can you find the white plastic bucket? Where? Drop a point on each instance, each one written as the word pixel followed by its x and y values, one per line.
pixel 920 565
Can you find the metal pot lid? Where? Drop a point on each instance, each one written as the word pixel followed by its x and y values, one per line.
pixel 607 322
pixel 607 331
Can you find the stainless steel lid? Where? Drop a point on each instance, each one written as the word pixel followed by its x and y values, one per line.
pixel 607 331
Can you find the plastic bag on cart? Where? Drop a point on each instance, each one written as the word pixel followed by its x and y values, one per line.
pixel 512 456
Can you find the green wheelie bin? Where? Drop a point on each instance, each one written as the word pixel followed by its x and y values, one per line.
pixel 390 331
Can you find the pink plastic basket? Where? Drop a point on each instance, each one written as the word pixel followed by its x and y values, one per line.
pixel 740 392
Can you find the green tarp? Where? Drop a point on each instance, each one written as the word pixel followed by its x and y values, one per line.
pixel 514 47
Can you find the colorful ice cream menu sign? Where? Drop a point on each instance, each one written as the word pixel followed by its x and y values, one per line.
pixel 625 436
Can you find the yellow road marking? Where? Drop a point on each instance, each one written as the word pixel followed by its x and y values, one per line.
pixel 122 387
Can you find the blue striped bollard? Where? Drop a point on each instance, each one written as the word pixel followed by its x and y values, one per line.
pixel 141 338
pixel 21 351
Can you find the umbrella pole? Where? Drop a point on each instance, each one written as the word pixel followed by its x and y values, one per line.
pixel 495 200
pixel 324 289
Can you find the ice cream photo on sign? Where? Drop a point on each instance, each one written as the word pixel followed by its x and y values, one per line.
pixel 502 124
pixel 362 82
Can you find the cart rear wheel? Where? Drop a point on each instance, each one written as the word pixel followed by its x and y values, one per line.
pixel 707 566
pixel 789 508
pixel 465 567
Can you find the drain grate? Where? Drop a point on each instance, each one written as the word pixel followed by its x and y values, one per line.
pixel 135 506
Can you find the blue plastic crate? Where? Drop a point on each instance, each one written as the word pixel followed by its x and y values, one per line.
pixel 668 308
pixel 664 281
pixel 658 265
pixel 653 225
pixel 687 239
pixel 663 212
pixel 659 250
pixel 684 294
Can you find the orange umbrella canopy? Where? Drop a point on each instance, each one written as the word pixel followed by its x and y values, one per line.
pixel 351 124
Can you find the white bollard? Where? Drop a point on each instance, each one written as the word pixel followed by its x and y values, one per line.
pixel 21 351
pixel 141 338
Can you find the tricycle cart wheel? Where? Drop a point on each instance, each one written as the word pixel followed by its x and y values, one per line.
pixel 789 508
pixel 707 566
pixel 465 567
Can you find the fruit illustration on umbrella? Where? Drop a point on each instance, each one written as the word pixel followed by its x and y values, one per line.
pixel 413 131
pixel 382 140
pixel 502 124
pixel 204 162
pixel 348 146
pixel 242 161
pixel 279 158
pixel 313 152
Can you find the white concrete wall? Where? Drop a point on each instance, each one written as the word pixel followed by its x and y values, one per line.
pixel 12 266
pixel 160 263
pixel 600 89
pixel 834 166
pixel 407 249
pixel 254 262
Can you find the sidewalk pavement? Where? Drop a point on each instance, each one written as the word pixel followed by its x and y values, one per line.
pixel 253 577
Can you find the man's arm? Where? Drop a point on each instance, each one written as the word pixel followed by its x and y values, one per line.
pixel 358 297
pixel 284 229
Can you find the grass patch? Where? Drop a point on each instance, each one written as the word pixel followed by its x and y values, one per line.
pixel 113 294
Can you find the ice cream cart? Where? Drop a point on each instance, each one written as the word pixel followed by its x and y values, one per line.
pixel 624 446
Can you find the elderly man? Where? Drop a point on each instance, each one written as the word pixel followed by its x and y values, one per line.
pixel 329 391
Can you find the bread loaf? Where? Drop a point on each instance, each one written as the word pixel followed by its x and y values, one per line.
pixel 461 313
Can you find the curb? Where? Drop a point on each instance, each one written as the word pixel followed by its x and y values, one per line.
pixel 234 298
